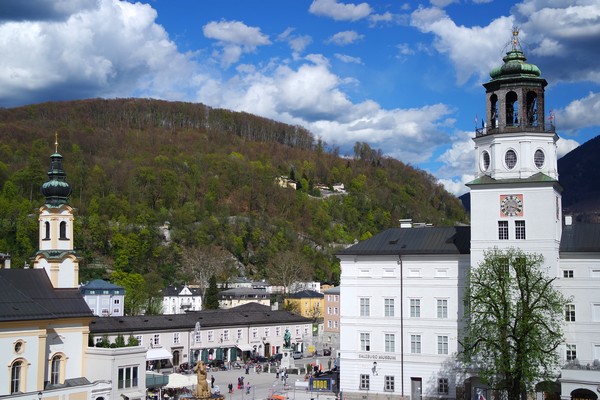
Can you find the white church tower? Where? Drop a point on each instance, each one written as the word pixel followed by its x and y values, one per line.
pixel 516 197
pixel 56 251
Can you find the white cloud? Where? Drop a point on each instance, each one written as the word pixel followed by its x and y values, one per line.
pixel 235 38
pixel 580 113
pixel 112 49
pixel 340 11
pixel 348 59
pixel 345 38
pixel 473 51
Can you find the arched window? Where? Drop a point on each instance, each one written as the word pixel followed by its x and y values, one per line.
pixel 47 230
pixel 512 109
pixel 15 377
pixel 63 230
pixel 494 111
pixel 55 365
pixel 531 107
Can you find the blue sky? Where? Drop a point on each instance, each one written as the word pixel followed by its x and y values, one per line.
pixel 404 76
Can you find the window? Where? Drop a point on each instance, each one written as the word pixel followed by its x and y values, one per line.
pixel 128 377
pixel 328 310
pixel 503 230
pixel 388 307
pixel 267 332
pixel 15 376
pixel 443 386
pixel 596 312
pixel 240 334
pixel 520 230
pixel 364 382
pixel 442 308
pixel 63 230
pixel 47 229
pixel 297 330
pixel 116 301
pixel 156 339
pixel 335 324
pixel 415 344
pixel 176 338
pixel 335 310
pixel 510 158
pixel 55 370
pixel 137 337
pixel 442 344
pixel 277 331
pixel 390 343
pixel 225 334
pixel 415 308
pixel 388 383
pixel 568 273
pixel 365 341
pixel 198 337
pixel 539 158
pixel 570 312
pixel 329 324
pixel 364 307
pixel 254 333
pixel 571 352
pixel 211 336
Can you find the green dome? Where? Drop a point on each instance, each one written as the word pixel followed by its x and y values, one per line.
pixel 56 189
pixel 515 65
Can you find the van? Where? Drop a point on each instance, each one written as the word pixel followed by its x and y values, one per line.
pixel 297 355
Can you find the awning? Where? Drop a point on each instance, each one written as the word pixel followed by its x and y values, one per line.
pixel 245 347
pixel 158 354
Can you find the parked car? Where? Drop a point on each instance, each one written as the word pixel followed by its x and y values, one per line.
pixel 297 355
pixel 276 357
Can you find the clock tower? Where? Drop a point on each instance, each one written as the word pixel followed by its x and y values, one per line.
pixel 516 197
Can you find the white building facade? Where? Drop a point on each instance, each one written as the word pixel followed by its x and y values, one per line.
pixel 402 290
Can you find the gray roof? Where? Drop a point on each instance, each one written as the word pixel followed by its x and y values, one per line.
pixel 28 294
pixel 424 240
pixel 306 294
pixel 580 237
pixel 174 290
pixel 333 290
pixel 243 292
pixel 99 284
pixel 251 314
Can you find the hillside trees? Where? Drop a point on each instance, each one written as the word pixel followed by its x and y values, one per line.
pixel 135 164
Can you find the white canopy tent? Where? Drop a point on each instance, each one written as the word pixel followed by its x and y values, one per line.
pixel 181 381
pixel 158 354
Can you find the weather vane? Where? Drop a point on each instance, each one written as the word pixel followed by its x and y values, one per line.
pixel 515 39
pixel 56 142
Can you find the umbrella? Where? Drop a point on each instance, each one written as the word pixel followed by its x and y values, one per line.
pixel 180 381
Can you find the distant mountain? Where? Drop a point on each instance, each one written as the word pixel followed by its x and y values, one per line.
pixel 578 175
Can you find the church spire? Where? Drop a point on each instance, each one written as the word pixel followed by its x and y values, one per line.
pixel 56 189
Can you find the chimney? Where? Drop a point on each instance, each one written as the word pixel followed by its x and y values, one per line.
pixel 405 223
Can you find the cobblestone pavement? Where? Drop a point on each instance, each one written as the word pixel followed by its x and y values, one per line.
pixel 263 385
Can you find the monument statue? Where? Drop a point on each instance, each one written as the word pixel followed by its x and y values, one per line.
pixel 287 339
pixel 202 391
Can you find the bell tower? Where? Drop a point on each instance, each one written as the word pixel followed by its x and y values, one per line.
pixel 516 197
pixel 56 251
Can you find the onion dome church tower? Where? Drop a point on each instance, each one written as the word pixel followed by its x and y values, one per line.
pixel 516 197
pixel 56 251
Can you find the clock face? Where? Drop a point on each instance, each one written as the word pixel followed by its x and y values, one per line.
pixel 511 205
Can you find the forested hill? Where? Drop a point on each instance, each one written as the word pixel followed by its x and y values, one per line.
pixel 134 164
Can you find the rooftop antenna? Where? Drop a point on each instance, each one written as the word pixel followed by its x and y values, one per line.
pixel 56 142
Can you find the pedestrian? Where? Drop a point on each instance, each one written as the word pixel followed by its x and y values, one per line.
pixel 230 387
pixel 247 387
pixel 212 381
pixel 247 369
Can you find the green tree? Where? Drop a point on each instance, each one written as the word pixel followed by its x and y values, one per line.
pixel 211 300
pixel 513 322
pixel 135 290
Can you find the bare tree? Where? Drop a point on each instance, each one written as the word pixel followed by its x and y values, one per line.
pixel 205 261
pixel 287 268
